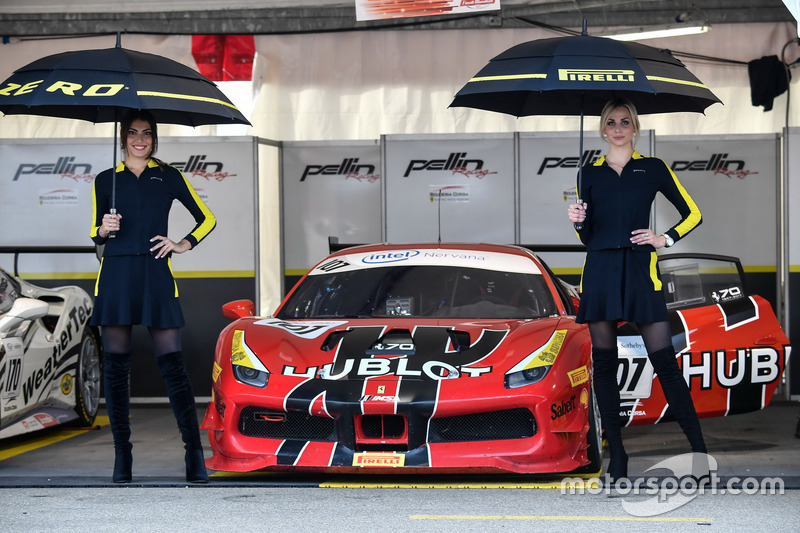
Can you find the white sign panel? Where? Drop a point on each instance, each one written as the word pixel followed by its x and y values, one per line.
pixel 46 199
pixel 328 189
pixel 733 180
pixel 459 188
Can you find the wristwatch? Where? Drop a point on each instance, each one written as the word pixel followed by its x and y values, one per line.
pixel 668 241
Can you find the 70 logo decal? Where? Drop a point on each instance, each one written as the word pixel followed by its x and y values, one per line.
pixel 13 370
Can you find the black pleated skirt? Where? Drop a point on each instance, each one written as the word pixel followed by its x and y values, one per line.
pixel 136 289
pixel 621 284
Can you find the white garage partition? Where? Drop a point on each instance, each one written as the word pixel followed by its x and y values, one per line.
pixel 328 189
pixel 548 172
pixel 791 258
pixel 46 200
pixel 734 181
pixel 457 187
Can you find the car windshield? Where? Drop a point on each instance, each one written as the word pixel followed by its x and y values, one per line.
pixel 421 291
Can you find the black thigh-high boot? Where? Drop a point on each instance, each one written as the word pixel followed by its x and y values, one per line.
pixel 116 371
pixel 678 397
pixel 606 390
pixel 181 398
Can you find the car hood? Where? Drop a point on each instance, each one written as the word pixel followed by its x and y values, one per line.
pixel 414 349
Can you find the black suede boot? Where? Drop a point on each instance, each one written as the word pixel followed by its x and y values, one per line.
pixel 116 371
pixel 181 398
pixel 678 397
pixel 606 390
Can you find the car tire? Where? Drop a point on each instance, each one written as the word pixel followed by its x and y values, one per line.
pixel 594 437
pixel 88 378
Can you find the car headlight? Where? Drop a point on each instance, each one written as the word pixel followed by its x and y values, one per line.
pixel 251 376
pixel 535 367
pixel 247 368
pixel 527 376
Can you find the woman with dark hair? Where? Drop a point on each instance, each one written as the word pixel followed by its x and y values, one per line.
pixel 620 280
pixel 135 284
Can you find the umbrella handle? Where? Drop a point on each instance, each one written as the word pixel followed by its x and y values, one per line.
pixel 578 225
pixel 112 234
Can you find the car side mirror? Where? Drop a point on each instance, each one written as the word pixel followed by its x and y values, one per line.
pixel 239 309
pixel 23 309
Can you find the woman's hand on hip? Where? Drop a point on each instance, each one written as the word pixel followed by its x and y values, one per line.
pixel 646 236
pixel 164 246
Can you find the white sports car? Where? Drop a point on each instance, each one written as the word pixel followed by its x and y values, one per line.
pixel 50 369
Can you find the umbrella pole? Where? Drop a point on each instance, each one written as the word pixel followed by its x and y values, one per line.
pixel 113 209
pixel 579 225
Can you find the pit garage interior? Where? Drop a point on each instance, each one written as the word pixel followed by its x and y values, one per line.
pixel 322 86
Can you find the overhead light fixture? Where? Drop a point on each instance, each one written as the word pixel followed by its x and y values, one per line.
pixel 656 32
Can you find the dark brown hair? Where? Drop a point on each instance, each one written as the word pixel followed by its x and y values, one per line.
pixel 138 114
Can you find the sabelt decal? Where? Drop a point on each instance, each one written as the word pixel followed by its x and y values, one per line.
pixel 378 459
pixel 563 408
pixel 578 376
pixel 307 329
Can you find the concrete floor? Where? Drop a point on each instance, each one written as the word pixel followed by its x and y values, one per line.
pixel 758 445
pixel 59 480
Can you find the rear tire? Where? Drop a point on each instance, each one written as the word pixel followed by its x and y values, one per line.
pixel 87 380
pixel 594 437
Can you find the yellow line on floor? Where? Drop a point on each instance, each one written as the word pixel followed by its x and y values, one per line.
pixel 48 437
pixel 565 518
pixel 484 484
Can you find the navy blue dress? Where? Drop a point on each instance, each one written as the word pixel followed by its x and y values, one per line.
pixel 133 287
pixel 621 280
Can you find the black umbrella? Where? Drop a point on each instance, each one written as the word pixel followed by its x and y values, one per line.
pixel 102 85
pixel 577 75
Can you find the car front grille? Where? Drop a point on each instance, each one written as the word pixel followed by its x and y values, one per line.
pixel 270 424
pixel 494 425
pixel 387 431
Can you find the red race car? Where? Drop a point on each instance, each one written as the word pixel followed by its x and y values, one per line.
pixel 464 357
